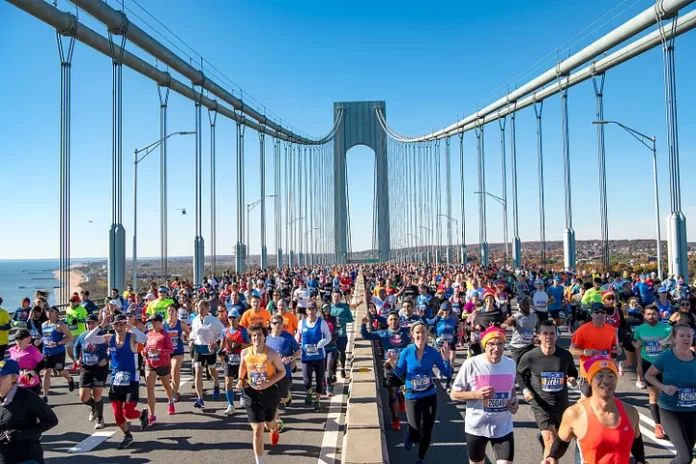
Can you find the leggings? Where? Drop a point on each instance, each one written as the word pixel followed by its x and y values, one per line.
pixel 420 414
pixel 331 364
pixel 681 428
pixel 124 410
pixel 316 367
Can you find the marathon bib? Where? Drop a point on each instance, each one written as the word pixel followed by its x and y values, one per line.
pixel 447 337
pixel 497 404
pixel 175 336
pixel 121 379
pixel 552 382
pixel 311 349
pixel 686 398
pixel 394 354
pixel 90 359
pixel 653 347
pixel 34 334
pixel 152 357
pixel 20 324
pixel 234 359
pixel 527 335
pixel 420 383
pixel 258 378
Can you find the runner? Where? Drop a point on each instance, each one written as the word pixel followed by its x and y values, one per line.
pixel 94 361
pixel 289 350
pixel 261 368
pixel 56 336
pixel 487 384
pixel 331 350
pixel 415 366
pixel 445 325
pixel 206 331
pixel 256 314
pixel 540 301
pixel 125 382
pixel 290 321
pixel 606 429
pixel 160 305
pixel 523 323
pixel 542 373
pixel 75 316
pixel 179 332
pixel 301 298
pixel 343 316
pixel 158 349
pixel 556 292
pixel 677 399
pixel 29 359
pixel 394 339
pixel 313 334
pixel 234 340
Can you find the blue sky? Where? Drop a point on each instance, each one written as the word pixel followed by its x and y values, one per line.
pixel 429 62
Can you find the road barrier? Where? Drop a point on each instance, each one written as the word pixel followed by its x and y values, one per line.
pixel 364 441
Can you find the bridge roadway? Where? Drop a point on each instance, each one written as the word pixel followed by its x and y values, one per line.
pixel 448 435
pixel 195 436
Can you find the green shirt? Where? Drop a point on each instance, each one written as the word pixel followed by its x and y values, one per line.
pixel 75 318
pixel 343 316
pixel 159 307
pixel 652 338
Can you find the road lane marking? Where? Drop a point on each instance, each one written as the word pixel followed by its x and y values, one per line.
pixel 91 442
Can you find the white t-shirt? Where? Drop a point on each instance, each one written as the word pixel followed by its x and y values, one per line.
pixel 487 418
pixel 302 295
pixel 541 301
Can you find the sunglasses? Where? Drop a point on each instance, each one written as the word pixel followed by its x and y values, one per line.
pixel 610 298
pixel 599 312
pixel 276 323
pixel 684 304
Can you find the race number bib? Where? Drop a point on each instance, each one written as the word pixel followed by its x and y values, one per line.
pixel 258 378
pixel 153 357
pixel 552 381
pixel 497 404
pixel 527 335
pixel 121 379
pixel 234 359
pixel 653 347
pixel 393 354
pixel 311 349
pixel 447 337
pixel 90 359
pixel 420 383
pixel 687 397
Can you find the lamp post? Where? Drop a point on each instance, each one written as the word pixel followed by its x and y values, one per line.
pixel 503 203
pixel 653 147
pixel 308 242
pixel 417 241
pixel 431 238
pixel 456 226
pixel 316 246
pixel 251 206
pixel 147 149
pixel 292 245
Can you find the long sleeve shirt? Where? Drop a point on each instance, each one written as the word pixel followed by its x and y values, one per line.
pixel 393 341
pixel 418 375
pixel 206 331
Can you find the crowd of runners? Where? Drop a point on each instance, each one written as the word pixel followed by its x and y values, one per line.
pixel 263 326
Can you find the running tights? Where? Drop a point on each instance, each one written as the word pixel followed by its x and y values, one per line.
pixel 331 364
pixel 316 368
pixel 124 411
pixel 681 429
pixel 420 414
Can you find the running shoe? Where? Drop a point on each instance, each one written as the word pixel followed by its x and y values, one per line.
pixel 329 391
pixel 408 444
pixel 659 432
pixel 333 379
pixel 177 397
pixel 279 425
pixel 396 424
pixel 92 415
pixel 308 399
pixel 242 402
pixel 71 385
pixel 199 404
pixel 402 404
pixel 275 437
pixel 45 398
pixel 230 410
pixel 216 392
pixel 621 368
pixel 317 406
pixel 126 442
pixel 171 410
pixel 151 421
pixel 641 384
pixel 288 402
pixel 343 373
pixel 100 423
pixel 144 420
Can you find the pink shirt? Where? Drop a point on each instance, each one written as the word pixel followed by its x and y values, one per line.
pixel 161 341
pixel 27 359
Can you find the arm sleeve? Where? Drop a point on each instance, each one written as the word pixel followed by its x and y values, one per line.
pixel 77 348
pixel 47 419
pixel 168 344
pixel 368 335
pixel 94 337
pixel 140 337
pixel 326 335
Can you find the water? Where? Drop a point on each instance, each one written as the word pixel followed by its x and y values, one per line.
pixel 21 278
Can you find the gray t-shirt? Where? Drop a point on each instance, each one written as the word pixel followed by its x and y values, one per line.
pixel 523 330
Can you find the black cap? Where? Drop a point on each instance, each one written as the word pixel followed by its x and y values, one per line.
pixel 155 318
pixel 119 318
pixel 92 318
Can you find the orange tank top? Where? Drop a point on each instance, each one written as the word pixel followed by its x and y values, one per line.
pixel 604 445
pixel 258 366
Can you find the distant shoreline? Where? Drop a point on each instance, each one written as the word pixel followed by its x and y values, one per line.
pixel 77 278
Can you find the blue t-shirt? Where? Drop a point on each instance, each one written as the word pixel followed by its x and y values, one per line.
pixel 285 345
pixel 557 294
pixel 681 375
pixel 419 374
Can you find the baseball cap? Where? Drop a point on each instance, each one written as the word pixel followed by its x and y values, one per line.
pixel 75 298
pixel 92 318
pixel 119 318
pixel 155 318
pixel 445 307
pixel 233 314
pixel 163 289
pixel 598 308
pixel 9 367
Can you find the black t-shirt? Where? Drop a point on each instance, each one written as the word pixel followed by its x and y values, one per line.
pixel 411 291
pixel 26 418
pixel 546 377
pixel 485 320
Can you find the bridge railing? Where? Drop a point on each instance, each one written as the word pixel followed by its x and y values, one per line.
pixel 364 441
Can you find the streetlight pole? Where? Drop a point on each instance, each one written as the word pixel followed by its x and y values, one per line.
pixel 417 241
pixel 456 226
pixel 148 149
pixel 292 245
pixel 309 243
pixel 250 207
pixel 653 148
pixel 503 203
pixel 432 238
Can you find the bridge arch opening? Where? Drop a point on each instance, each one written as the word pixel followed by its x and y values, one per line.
pixel 361 196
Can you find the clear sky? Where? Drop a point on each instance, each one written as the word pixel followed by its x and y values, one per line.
pixel 430 62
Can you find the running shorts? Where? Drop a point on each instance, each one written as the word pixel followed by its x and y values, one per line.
pixel 646 365
pixel 261 405
pixel 202 359
pixel 232 370
pixel 55 361
pixel 302 311
pixel 546 419
pixel 90 378
pixel 161 371
pixel 284 386
pixel 503 447
pixel 125 393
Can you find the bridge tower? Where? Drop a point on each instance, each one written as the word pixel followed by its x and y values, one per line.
pixel 359 126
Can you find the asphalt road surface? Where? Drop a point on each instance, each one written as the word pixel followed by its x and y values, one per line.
pixel 449 444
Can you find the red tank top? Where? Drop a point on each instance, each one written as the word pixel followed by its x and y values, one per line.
pixel 603 445
pixel 236 337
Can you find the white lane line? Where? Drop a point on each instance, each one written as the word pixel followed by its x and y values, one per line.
pixel 91 442
pixel 184 380
pixel 401 445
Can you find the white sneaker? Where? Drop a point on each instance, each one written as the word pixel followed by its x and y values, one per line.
pixel 92 415
pixel 242 402
pixel 230 410
pixel 621 368
pixel 100 424
pixel 641 384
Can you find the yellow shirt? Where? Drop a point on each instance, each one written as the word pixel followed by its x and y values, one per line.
pixel 5 326
pixel 258 366
pixel 159 307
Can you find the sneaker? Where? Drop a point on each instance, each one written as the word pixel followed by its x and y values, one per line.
pixel 333 379
pixel 288 402
pixel 275 437
pixel 621 368
pixel 216 392
pixel 317 406
pixel 640 384
pixel 402 404
pixel 396 424
pixel 343 373
pixel 308 399
pixel 408 444
pixel 71 385
pixel 659 432
pixel 126 442
pixel 151 421
pixel 242 402
pixel 230 410
pixel 45 398
pixel 143 420
pixel 329 391
pixel 198 404
pixel 177 397
pixel 100 423
pixel 171 410
pixel 279 425
pixel 92 415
